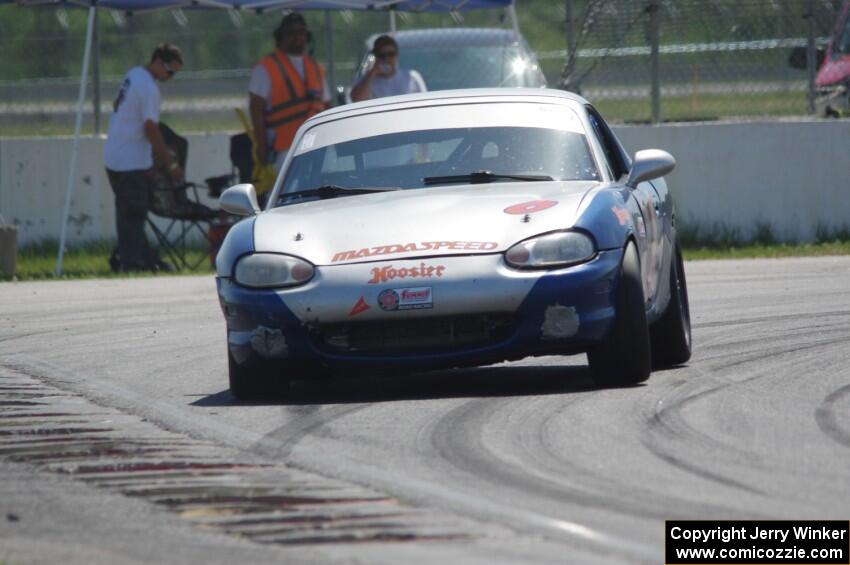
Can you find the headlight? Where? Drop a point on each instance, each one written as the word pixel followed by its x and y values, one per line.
pixel 553 250
pixel 269 270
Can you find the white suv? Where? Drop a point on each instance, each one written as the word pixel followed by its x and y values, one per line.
pixel 465 58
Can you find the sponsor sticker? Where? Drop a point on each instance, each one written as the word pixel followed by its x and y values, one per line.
pixel 395 248
pixel 389 273
pixel 622 215
pixel 419 298
pixel 530 207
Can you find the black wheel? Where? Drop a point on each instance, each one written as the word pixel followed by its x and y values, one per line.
pixel 256 379
pixel 623 358
pixel 671 335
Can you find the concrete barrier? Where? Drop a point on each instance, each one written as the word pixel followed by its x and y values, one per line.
pixel 788 175
pixel 34 177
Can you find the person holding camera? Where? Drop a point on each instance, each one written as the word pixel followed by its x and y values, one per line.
pixel 287 87
pixel 385 77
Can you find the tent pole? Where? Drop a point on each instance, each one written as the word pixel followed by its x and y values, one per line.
pixel 96 73
pixel 76 148
pixel 392 22
pixel 329 26
pixel 514 20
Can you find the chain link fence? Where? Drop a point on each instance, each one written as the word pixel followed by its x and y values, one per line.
pixel 706 59
pixel 715 58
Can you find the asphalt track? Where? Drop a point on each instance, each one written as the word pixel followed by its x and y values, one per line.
pixel 518 463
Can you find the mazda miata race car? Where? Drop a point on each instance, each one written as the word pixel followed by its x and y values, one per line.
pixel 454 229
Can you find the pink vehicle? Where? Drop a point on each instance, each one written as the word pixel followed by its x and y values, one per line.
pixel 833 77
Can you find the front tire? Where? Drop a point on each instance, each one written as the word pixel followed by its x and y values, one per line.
pixel 623 358
pixel 671 334
pixel 255 380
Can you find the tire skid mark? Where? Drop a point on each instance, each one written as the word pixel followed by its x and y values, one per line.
pixel 670 421
pixel 602 491
pixel 14 337
pixel 758 338
pixel 773 318
pixel 311 420
pixel 466 452
pixel 826 419
pixel 211 486
pixel 666 430
pixel 756 355
pixel 667 422
pixel 637 500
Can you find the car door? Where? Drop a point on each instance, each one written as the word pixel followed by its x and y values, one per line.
pixel 644 202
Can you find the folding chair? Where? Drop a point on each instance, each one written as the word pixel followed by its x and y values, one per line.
pixel 181 206
pixel 241 156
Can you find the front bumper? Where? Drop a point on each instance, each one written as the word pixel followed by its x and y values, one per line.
pixel 832 100
pixel 476 310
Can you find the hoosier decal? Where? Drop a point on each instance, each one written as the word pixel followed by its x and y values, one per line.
pixel 413 247
pixel 388 273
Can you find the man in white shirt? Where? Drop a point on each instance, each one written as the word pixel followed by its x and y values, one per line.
pixel 132 139
pixel 386 78
pixel 286 88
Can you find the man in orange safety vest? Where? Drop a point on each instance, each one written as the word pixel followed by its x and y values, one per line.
pixel 287 87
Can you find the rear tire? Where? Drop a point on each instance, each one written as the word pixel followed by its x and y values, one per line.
pixel 256 379
pixel 623 358
pixel 671 334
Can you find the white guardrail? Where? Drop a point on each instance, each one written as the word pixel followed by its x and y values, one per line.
pixel 787 175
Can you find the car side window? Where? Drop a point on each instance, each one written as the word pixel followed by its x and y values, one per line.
pixel 618 163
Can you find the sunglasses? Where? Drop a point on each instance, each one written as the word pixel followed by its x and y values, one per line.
pixel 171 72
pixel 386 54
pixel 296 31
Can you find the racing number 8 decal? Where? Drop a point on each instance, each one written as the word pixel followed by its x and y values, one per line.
pixel 530 207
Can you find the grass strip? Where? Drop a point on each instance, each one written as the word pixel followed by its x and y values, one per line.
pixel 88 261
pixel 775 251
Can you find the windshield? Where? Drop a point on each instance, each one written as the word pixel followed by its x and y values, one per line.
pixel 389 149
pixel 448 67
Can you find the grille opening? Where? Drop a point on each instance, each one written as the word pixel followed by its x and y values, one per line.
pixel 418 334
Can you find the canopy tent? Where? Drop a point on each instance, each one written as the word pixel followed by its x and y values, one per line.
pixel 137 6
pixel 262 5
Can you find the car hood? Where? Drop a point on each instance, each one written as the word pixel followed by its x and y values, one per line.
pixel 404 224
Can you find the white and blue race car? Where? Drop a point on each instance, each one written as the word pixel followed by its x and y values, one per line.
pixel 454 229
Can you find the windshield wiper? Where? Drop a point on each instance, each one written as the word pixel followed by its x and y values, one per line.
pixel 332 191
pixel 480 177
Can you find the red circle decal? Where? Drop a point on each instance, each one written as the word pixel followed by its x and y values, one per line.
pixel 530 207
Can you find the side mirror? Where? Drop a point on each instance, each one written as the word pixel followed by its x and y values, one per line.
pixel 650 164
pixel 240 200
